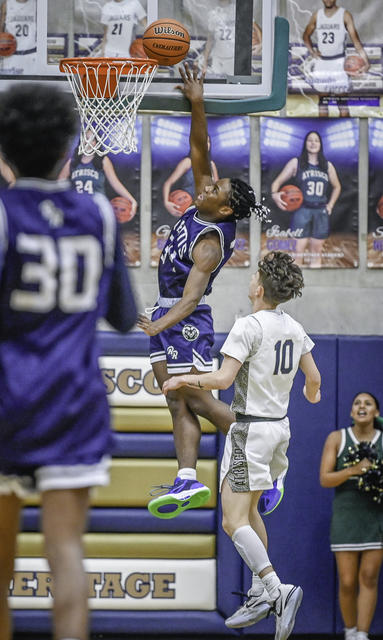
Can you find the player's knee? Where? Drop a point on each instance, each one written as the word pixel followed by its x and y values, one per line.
pixel 348 584
pixel 63 554
pixel 198 405
pixel 368 578
pixel 176 404
pixel 227 525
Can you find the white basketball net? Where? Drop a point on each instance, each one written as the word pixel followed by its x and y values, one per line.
pixel 108 94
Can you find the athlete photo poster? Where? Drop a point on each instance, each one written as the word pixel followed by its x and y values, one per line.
pixel 172 176
pixel 310 183
pixel 375 195
pixel 117 176
pixel 336 53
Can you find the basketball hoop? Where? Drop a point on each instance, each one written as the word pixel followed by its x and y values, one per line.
pixel 108 93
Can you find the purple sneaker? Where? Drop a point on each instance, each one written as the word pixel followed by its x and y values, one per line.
pixel 184 494
pixel 271 498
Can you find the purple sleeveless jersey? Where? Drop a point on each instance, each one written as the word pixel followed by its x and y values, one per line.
pixel 57 258
pixel 176 257
pixel 188 343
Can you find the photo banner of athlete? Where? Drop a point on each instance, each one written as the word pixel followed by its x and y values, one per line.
pixel 118 178
pixel 335 57
pixel 375 194
pixel 310 183
pixel 172 176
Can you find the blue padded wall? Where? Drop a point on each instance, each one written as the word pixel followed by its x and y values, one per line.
pixel 298 530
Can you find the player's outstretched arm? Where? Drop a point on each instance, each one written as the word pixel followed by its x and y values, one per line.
pixel 192 89
pixel 311 389
pixel 221 379
pixel 350 26
pixel 207 255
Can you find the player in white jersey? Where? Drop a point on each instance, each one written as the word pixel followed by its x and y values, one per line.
pixel 220 45
pixel 262 354
pixel 19 17
pixel 331 25
pixel 120 18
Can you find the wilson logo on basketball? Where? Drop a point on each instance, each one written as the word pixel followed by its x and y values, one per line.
pixel 170 30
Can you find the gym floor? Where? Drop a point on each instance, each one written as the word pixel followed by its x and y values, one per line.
pixel 100 636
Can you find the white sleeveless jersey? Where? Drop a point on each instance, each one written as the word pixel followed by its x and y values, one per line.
pixel 120 18
pixel 270 345
pixel 331 34
pixel 21 21
pixel 221 25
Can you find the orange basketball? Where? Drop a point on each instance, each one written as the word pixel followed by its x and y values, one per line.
pixel 181 198
pixel 379 207
pixel 292 196
pixel 167 41
pixel 122 208
pixel 8 44
pixel 137 49
pixel 353 64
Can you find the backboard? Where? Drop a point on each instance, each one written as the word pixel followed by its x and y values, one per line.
pixel 242 44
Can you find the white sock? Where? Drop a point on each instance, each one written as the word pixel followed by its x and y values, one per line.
pixel 349 633
pixel 187 473
pixel 361 635
pixel 251 549
pixel 271 583
pixel 257 586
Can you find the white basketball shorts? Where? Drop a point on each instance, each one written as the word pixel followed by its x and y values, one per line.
pixel 255 454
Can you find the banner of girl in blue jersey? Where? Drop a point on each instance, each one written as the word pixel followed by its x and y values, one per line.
pixel 172 176
pixel 310 182
pixel 375 194
pixel 118 177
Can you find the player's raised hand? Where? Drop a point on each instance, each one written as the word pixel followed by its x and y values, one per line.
pixel 172 384
pixel 192 87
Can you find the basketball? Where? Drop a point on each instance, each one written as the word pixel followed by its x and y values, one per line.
pixel 8 44
pixel 379 207
pixel 292 196
pixel 167 41
pixel 137 49
pixel 353 64
pixel 182 199
pixel 122 208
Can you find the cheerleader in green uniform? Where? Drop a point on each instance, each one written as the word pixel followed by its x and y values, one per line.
pixel 357 521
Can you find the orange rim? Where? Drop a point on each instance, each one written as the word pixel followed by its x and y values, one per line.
pixel 99 77
pixel 102 64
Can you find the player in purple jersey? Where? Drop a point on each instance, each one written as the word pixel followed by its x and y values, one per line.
pixel 181 327
pixel 61 269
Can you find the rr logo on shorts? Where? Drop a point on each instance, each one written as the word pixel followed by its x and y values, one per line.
pixel 190 333
pixel 172 352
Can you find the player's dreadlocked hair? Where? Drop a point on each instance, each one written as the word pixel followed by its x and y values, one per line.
pixel 280 277
pixel 242 201
pixel 36 127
